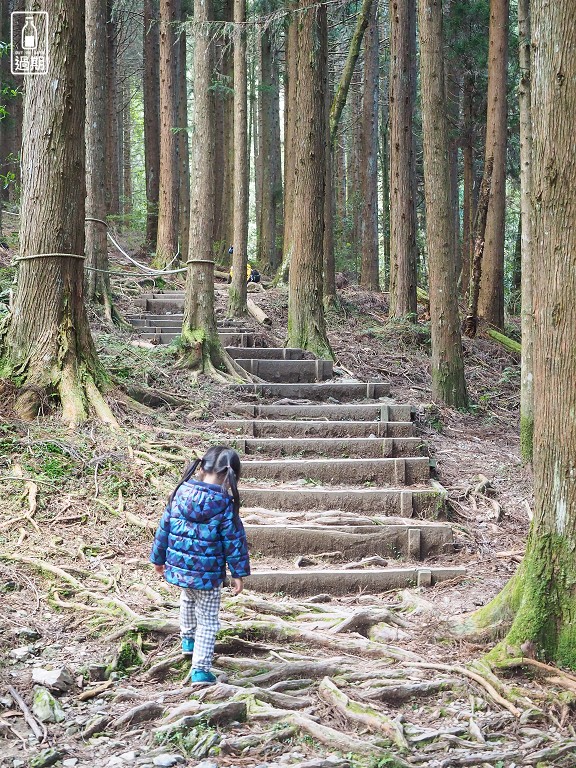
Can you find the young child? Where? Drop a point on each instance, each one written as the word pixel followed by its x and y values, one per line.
pixel 199 533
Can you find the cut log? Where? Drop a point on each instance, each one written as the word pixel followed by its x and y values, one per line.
pixel 257 313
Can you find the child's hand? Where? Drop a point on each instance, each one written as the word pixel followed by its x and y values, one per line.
pixel 237 586
pixel 159 569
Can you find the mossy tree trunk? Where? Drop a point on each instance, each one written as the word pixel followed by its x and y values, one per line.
pixel 539 601
pixel 306 326
pixel 48 346
pixel 448 383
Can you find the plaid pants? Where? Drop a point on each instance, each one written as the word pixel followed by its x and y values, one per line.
pixel 199 620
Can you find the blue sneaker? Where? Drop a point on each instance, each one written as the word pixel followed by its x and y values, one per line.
pixel 201 676
pixel 187 646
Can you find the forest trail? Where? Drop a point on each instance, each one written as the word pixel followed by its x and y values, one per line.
pixel 328 500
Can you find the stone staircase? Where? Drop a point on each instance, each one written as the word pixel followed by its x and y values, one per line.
pixel 332 473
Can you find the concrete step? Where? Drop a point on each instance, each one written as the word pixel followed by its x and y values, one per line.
pixel 382 412
pixel 341 581
pixel 377 447
pixel 274 353
pixel 289 371
pixel 287 428
pixel 227 339
pixel 341 390
pixel 413 541
pixel 424 503
pixel 403 471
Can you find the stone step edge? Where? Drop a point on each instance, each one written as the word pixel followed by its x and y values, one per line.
pixel 344 581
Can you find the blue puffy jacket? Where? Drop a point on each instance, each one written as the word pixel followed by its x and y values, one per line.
pixel 198 534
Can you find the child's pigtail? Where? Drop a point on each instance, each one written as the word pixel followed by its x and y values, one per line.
pixel 188 473
pixel 233 485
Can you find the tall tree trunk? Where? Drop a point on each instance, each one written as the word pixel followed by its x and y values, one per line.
pixel 168 218
pixel 183 147
pixel 491 301
pixel 97 278
pixel 306 326
pixel 354 178
pixel 453 88
pixel 224 172
pixel 403 251
pixel 448 383
pixel 343 87
pixel 269 202
pixel 290 115
pixel 201 347
pixel 369 273
pixel 329 282
pixel 526 218
pixel 112 138
pixel 151 95
pixel 384 154
pixel 238 292
pixel 539 600
pixel 48 342
pixel 467 181
pixel 127 153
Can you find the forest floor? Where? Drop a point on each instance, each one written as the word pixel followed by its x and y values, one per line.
pixel 77 590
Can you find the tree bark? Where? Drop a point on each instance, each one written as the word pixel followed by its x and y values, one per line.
pixel 183 147
pixel 168 218
pixel 329 282
pixel 201 348
pixel 238 293
pixel 151 96
pixel 526 218
pixel 467 182
pixel 448 383
pixel 97 281
pixel 113 171
pixel 290 114
pixel 539 600
pixel 269 203
pixel 403 251
pixel 369 272
pixel 491 301
pixel 48 344
pixel 223 76
pixel 339 101
pixel 126 153
pixel 306 327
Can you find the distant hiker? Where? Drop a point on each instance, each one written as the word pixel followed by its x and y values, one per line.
pixel 199 533
pixel 252 274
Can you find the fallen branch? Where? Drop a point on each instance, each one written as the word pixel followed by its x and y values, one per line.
pixel 506 341
pixel 91 693
pixel 39 732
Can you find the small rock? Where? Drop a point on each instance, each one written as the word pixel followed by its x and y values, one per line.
pixel 129 757
pixel 46 708
pixel 96 725
pixel 320 599
pixel 207 764
pixel 26 632
pixel 21 653
pixel 166 760
pixel 18 763
pixel 115 761
pixel 58 679
pixel 6 702
pixel 45 758
pixel 305 562
pixel 70 762
pixel 97 672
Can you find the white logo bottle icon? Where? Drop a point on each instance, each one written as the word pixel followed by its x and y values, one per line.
pixel 29 35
